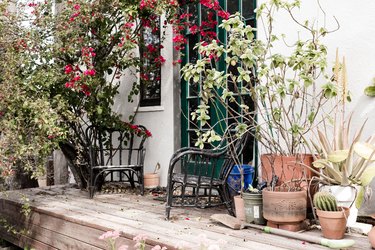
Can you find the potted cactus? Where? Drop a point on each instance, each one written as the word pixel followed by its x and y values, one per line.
pixel 332 218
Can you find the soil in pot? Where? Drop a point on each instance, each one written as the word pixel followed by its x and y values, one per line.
pixel 333 223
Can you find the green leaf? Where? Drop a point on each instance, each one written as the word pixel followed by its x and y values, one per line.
pixel 360 196
pixel 368 175
pixel 365 150
pixel 370 91
pixel 338 156
pixel 320 163
pixel 99 110
pixel 196 78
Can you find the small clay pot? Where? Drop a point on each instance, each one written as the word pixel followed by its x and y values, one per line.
pixel 333 223
pixel 371 237
pixel 239 207
pixel 151 180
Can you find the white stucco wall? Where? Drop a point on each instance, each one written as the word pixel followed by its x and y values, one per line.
pixel 355 40
pixel 161 120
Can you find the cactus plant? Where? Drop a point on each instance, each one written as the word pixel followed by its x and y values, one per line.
pixel 325 201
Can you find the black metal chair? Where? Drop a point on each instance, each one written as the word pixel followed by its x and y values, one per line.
pixel 115 151
pixel 198 177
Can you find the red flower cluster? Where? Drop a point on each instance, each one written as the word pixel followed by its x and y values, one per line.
pixel 89 72
pixel 136 130
pixel 147 4
pixel 68 69
pixel 159 60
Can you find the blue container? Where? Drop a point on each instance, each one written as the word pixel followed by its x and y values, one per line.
pixel 234 178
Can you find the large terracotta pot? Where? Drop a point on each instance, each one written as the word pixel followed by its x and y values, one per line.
pixel 287 168
pixel 333 223
pixel 282 207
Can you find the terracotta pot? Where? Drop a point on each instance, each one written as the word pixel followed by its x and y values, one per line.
pixel 239 207
pixel 284 207
pixel 151 180
pixel 371 237
pixel 333 223
pixel 286 167
pixel 345 196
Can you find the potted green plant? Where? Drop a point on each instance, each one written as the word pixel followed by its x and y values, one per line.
pixel 253 205
pixel 342 156
pixel 276 97
pixel 365 201
pixel 332 217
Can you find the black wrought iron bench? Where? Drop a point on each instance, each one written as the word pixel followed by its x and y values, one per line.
pixel 198 177
pixel 115 151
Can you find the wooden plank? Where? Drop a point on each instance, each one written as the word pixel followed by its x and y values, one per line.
pixel 59 228
pixel 142 216
pixel 24 241
pixel 134 214
pixel 257 239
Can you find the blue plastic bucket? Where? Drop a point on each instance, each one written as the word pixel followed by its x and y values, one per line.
pixel 234 178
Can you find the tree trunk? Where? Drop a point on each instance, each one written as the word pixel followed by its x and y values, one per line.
pixel 79 171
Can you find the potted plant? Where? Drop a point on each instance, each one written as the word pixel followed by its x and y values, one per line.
pixel 253 205
pixel 276 97
pixel 365 201
pixel 240 177
pixel 332 218
pixel 342 157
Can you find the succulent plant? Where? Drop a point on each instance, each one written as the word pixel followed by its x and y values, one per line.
pixel 325 201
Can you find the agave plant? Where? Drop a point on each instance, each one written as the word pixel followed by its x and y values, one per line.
pixel 344 160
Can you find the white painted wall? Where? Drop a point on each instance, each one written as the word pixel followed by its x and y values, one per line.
pixel 162 121
pixel 355 40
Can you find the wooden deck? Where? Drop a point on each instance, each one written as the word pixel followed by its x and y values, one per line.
pixel 64 218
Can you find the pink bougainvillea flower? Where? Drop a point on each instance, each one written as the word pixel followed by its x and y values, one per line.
pixel 69 85
pixel 159 59
pixel 76 14
pixel 77 7
pixel 148 133
pixel 223 14
pixel 76 78
pixel 194 29
pixel 151 48
pixel 132 126
pixel 179 39
pixel 68 68
pixel 89 72
pixel 85 89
